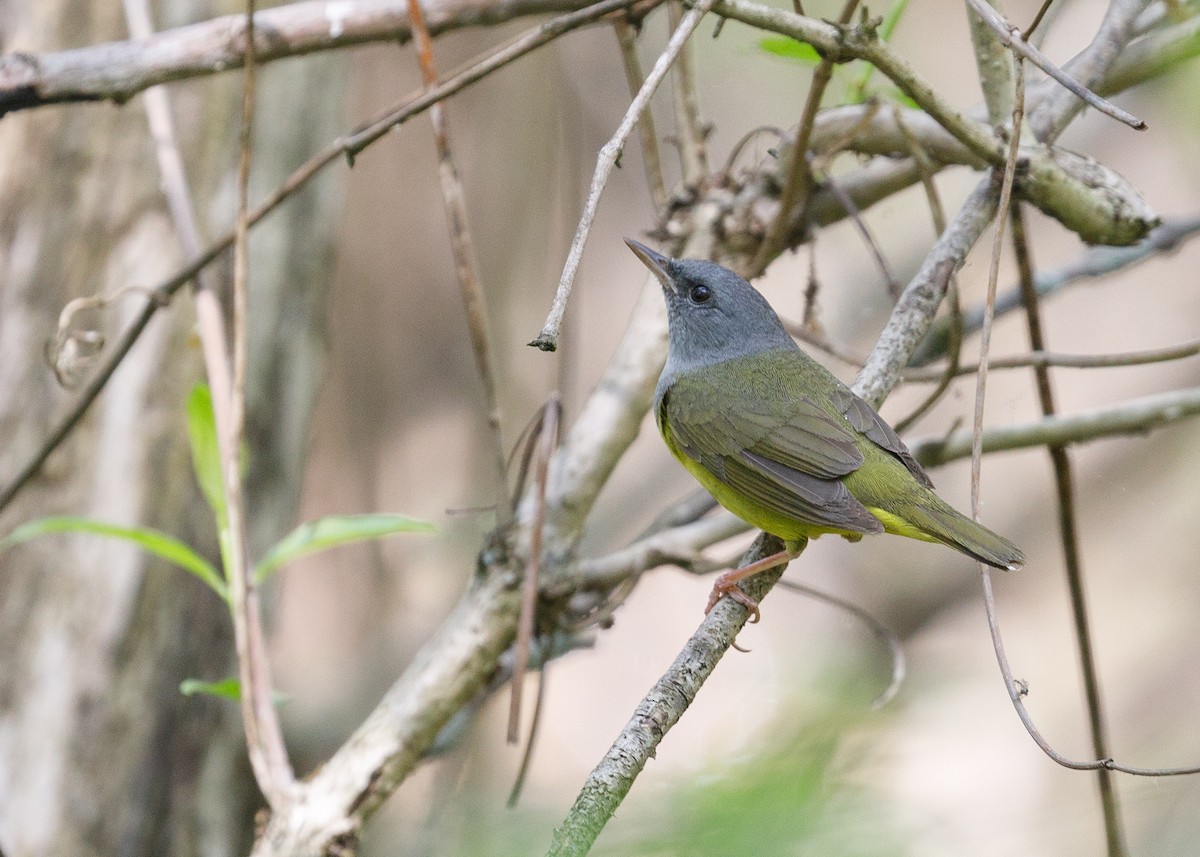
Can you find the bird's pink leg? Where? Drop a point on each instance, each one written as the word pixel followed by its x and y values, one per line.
pixel 727 582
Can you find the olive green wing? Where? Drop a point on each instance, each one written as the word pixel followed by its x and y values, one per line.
pixel 788 455
pixel 865 420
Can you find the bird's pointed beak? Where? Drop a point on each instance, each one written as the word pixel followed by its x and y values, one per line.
pixel 658 264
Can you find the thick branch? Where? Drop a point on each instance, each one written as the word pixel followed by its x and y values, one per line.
pixel 661 709
pixel 1084 196
pixel 1134 417
pixel 117 71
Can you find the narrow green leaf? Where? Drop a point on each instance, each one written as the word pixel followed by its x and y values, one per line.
pixel 229 688
pixel 206 452
pixel 226 688
pixel 891 19
pixel 789 48
pixel 901 98
pixel 333 531
pixel 158 543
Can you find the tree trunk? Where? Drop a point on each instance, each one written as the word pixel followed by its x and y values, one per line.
pixel 99 752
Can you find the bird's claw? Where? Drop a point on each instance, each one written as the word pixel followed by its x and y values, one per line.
pixel 733 591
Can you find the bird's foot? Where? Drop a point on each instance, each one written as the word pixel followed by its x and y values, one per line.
pixel 727 584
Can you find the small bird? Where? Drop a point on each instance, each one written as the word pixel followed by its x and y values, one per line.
pixel 777 439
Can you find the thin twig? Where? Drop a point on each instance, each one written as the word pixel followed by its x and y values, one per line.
pixel 264 737
pixel 860 226
pixel 1089 66
pixel 651 157
pixel 1037 19
pixel 1016 692
pixel 1010 171
pixel 547 340
pixel 938 213
pixel 463 248
pixel 1035 359
pixel 347 145
pixel 689 129
pixel 1136 416
pixel 1064 486
pixel 1011 37
pixel 117 71
pixel 546 440
pixel 539 705
pixel 798 183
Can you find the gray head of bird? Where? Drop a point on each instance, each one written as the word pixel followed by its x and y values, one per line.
pixel 713 313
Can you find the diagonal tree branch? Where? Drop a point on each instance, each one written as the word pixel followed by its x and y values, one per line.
pixel 1136 416
pixel 117 71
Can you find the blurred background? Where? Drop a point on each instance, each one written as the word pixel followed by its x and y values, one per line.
pixel 782 752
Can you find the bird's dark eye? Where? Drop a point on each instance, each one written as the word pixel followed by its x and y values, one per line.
pixel 700 294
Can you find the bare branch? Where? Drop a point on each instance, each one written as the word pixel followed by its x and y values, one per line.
pixel 547 340
pixel 443 677
pixel 1011 37
pixel 1062 106
pixel 1136 416
pixel 1068 361
pixel 1064 484
pixel 689 129
pixel 661 709
pixel 919 301
pixel 264 739
pixel 120 70
pixel 995 69
pixel 1084 196
pixel 463 248
pixel 646 132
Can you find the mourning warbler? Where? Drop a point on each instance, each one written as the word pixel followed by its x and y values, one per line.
pixel 778 440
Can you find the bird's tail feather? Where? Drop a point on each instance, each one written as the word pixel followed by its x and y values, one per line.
pixel 942 523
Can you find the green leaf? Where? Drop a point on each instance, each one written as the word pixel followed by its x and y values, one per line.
pixel 153 541
pixel 891 19
pixel 901 98
pixel 206 451
pixel 333 531
pixel 226 688
pixel 789 48
pixel 229 688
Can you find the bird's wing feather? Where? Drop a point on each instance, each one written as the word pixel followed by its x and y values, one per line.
pixel 787 458
pixel 863 418
pixel 798 435
pixel 802 496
